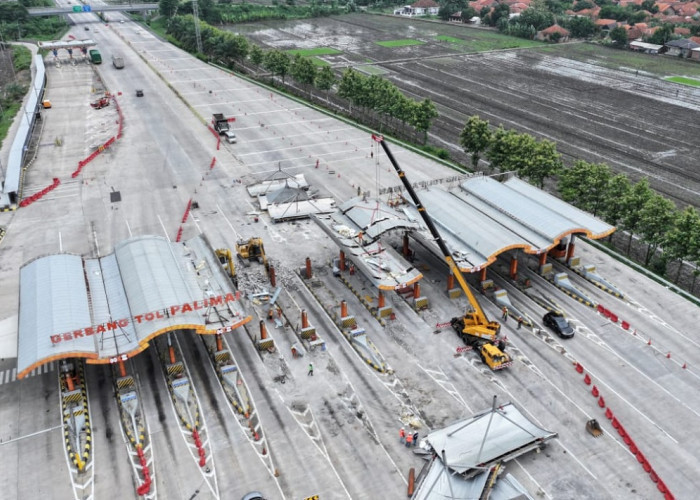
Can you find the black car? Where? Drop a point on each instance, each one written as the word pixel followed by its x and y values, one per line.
pixel 558 324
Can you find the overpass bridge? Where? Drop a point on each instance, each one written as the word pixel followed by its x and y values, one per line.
pixel 87 9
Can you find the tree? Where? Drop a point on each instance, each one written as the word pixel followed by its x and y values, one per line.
pixel 544 162
pixel 167 8
pixel 580 27
pixel 475 138
pixel 257 55
pixel 423 115
pixel 277 62
pixel 501 10
pixel 538 17
pixel 303 70
pixel 619 36
pixel 683 239
pixel 655 218
pixel 661 35
pixel 325 79
pixel 632 205
pixel 613 207
pixel 449 7
pixel 585 185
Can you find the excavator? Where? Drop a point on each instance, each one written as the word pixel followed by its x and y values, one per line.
pixel 226 261
pixel 252 249
pixel 473 327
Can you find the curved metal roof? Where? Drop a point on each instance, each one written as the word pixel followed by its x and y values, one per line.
pixel 486 217
pixel 113 306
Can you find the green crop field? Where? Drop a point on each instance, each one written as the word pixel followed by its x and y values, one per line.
pixel 318 51
pixel 399 43
pixel 487 41
pixel 684 80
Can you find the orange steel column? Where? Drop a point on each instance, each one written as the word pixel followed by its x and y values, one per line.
pixel 514 268
pixel 543 258
pixel 273 278
pixel 263 330
pixel 482 276
pixel 416 290
pixel 219 343
pixel 69 381
pixel 171 350
pixel 304 319
pixel 450 281
pixel 380 299
pixel 342 261
pixel 308 267
pixel 343 309
pixel 122 368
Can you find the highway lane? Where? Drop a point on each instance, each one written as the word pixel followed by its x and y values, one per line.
pixel 160 151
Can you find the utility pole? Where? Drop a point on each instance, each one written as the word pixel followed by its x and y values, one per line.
pixel 197 32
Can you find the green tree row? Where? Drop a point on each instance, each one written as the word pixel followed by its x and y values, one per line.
pixel 368 93
pixel 380 95
pixel 633 207
pixel 509 150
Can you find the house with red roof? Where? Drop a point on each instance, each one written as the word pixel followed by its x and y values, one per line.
pixel 553 33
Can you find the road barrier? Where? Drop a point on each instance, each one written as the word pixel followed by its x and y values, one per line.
pixel 626 438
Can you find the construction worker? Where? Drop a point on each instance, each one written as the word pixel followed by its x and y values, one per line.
pixel 402 435
pixel 415 438
pixel 409 440
pixel 504 316
pixel 311 371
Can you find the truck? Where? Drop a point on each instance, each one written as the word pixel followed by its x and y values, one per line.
pixel 220 123
pixel 222 126
pixel 474 328
pixel 118 61
pixel 95 56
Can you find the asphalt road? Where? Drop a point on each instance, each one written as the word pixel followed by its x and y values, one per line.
pixel 333 434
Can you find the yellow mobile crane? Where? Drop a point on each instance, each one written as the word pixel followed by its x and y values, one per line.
pixel 474 327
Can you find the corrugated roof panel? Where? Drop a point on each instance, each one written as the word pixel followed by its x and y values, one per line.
pixel 122 339
pixel 472 443
pixel 53 304
pixel 577 217
pixel 98 296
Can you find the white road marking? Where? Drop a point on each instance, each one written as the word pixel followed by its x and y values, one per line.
pixel 235 233
pixel 31 435
pixel 163 226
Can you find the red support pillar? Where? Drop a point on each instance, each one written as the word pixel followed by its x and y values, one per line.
pixel 482 276
pixel 263 330
pixel 343 309
pixel 304 319
pixel 450 281
pixel 514 268
pixel 219 343
pixel 122 368
pixel 416 290
pixel 570 250
pixel 171 350
pixel 69 381
pixel 543 259
pixel 342 261
pixel 308 268
pixel 380 300
pixel 273 278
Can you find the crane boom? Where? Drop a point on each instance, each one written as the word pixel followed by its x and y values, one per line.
pixel 474 323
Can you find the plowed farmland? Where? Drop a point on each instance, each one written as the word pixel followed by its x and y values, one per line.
pixel 600 105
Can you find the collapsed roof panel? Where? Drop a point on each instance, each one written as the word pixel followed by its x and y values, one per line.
pixel 496 435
